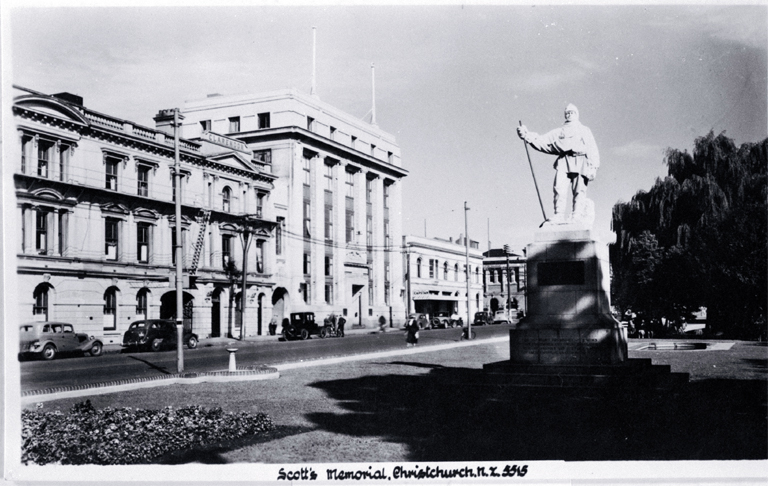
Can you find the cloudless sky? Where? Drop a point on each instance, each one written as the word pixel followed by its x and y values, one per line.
pixel 452 82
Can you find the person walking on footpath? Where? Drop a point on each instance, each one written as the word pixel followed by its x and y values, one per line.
pixel 382 323
pixel 412 330
pixel 340 325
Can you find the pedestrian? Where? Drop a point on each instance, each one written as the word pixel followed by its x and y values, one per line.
pixel 576 165
pixel 412 330
pixel 382 323
pixel 340 323
pixel 273 326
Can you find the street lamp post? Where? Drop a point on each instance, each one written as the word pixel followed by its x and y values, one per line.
pixel 466 252
pixel 246 239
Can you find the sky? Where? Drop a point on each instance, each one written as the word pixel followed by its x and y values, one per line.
pixel 452 83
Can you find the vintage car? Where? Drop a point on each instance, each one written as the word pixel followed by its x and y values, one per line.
pixel 501 317
pixel 441 319
pixel 301 326
pixel 482 318
pixel 156 334
pixel 422 320
pixel 48 339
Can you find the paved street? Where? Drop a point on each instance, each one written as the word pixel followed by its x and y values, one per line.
pixel 212 356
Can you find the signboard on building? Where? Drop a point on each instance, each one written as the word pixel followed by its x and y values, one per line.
pixel 224 141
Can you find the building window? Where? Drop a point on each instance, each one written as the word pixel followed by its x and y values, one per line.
pixel 263 156
pixel 368 190
pixel 62 231
pixel 25 144
pixel 328 175
pixel 390 157
pixel 226 200
pixel 63 162
pixel 328 265
pixel 307 264
pixel 456 272
pixel 445 271
pixel 226 249
pixel 350 219
pixel 432 268
pixel 369 229
pixel 418 268
pixel 23 230
pixel 310 124
pixel 111 234
pixel 260 256
pixel 43 158
pixel 492 276
pixel 304 289
pixel 234 124
pixel 307 212
pixel 141 303
pixel 333 133
pixel 329 293
pixel 206 125
pixel 386 195
pixel 307 172
pixel 353 140
pixel 41 231
pixel 264 121
pixel 477 275
pixel 110 309
pixel 328 213
pixel 259 205
pixel 111 173
pixel 40 308
pixel 279 235
pixel 142 242
pixel 373 150
pixel 143 177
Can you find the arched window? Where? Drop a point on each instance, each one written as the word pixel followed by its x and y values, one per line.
pixel 477 275
pixel 226 200
pixel 445 271
pixel 418 268
pixel 40 307
pixel 110 309
pixel 456 272
pixel 142 303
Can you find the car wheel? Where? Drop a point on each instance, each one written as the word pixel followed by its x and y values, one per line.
pixel 49 352
pixel 96 349
pixel 156 344
pixel 304 334
pixel 324 333
pixel 192 343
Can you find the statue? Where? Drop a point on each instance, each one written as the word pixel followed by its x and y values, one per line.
pixel 576 164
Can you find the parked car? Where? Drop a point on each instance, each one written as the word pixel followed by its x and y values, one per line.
pixel 48 339
pixel 501 317
pixel 457 320
pixel 482 318
pixel 301 326
pixel 441 319
pixel 156 334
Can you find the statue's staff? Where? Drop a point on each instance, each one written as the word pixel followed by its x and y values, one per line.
pixel 534 178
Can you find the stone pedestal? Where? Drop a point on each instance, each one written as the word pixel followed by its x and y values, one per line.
pixel 569 318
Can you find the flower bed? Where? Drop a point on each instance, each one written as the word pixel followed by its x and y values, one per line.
pixel 128 436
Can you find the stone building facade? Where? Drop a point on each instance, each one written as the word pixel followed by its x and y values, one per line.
pixel 336 201
pixel 504 280
pixel 436 276
pixel 95 220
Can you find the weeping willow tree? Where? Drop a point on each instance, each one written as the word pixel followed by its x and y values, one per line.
pixel 698 238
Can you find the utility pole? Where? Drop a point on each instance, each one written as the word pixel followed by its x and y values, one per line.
pixel 178 248
pixel 466 251
pixel 246 240
pixel 509 287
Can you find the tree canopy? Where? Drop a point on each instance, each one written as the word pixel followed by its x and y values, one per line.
pixel 698 238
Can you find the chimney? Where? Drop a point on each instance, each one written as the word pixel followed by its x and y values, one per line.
pixel 164 120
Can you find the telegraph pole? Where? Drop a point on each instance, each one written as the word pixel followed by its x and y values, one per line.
pixel 466 251
pixel 246 235
pixel 178 248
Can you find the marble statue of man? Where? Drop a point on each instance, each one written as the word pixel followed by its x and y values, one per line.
pixel 576 165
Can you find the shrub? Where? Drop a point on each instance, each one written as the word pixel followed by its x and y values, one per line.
pixel 127 436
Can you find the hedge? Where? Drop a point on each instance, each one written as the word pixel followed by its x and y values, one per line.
pixel 128 436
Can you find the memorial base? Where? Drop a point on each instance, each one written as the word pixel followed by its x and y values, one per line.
pixel 568 346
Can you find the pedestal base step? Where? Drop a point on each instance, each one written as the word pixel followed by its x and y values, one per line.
pixel 633 372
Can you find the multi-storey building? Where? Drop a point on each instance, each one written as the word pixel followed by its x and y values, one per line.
pixel 436 275
pixel 336 200
pixel 95 212
pixel 504 280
